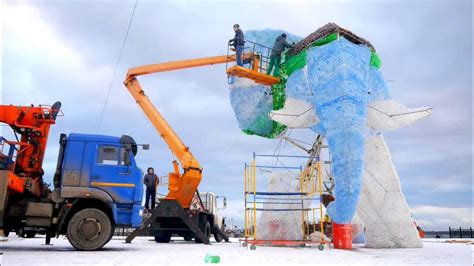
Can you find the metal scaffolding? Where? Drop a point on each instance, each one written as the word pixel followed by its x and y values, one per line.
pixel 308 192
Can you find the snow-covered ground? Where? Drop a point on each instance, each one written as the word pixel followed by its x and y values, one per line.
pixel 144 251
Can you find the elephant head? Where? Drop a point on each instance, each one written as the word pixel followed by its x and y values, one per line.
pixel 339 94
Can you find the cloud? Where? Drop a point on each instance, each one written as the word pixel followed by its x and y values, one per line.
pixel 234 213
pixel 41 68
pixel 34 44
pixel 440 218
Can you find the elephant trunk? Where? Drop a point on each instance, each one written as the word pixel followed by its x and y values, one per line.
pixel 345 137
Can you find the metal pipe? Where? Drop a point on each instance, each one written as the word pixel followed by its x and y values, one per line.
pixel 254 204
pixel 283 210
pixel 306 199
pixel 282 156
pixel 277 167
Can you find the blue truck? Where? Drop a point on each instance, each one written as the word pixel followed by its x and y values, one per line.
pixel 97 183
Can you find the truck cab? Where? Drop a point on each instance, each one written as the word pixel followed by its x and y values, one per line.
pixel 102 168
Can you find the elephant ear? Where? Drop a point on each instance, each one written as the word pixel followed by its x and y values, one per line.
pixel 295 114
pixel 389 115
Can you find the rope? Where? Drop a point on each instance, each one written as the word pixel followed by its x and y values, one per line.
pixel 116 66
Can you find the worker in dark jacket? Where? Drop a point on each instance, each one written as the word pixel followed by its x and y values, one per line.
pixel 238 42
pixel 275 56
pixel 151 182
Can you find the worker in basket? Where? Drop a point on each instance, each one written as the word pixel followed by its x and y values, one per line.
pixel 238 42
pixel 275 57
pixel 151 182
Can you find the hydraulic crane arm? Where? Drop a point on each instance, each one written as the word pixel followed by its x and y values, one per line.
pixel 32 123
pixel 253 73
pixel 182 152
pixel 179 149
pixel 181 186
pixel 181 64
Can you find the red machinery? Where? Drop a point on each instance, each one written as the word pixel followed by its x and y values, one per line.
pixel 32 124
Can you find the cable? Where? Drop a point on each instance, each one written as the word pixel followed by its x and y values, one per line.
pixel 116 66
pixel 406 113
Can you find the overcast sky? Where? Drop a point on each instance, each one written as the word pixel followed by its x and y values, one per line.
pixel 68 50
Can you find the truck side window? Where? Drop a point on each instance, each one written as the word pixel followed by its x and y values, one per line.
pixel 109 155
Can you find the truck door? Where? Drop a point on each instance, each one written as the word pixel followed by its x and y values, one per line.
pixel 115 171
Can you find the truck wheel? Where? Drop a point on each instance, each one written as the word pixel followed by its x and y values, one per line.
pixel 163 237
pixel 187 238
pixel 217 236
pixel 20 233
pixel 89 229
pixel 207 233
pixel 112 233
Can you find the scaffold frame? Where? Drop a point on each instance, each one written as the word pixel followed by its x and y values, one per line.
pixel 310 188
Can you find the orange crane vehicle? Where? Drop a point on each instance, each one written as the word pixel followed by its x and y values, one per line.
pixel 175 214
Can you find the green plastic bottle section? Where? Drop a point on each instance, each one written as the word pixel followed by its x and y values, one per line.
pixel 212 259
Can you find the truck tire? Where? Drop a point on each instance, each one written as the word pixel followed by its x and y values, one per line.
pixel 218 237
pixel 207 233
pixel 112 233
pixel 89 229
pixel 163 237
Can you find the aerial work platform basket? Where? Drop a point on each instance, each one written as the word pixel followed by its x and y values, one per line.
pixel 255 58
pixel 303 203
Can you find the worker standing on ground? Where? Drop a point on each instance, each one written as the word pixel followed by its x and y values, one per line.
pixel 238 42
pixel 151 182
pixel 275 56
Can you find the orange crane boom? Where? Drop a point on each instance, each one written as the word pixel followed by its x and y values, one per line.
pixel 181 64
pixel 182 187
